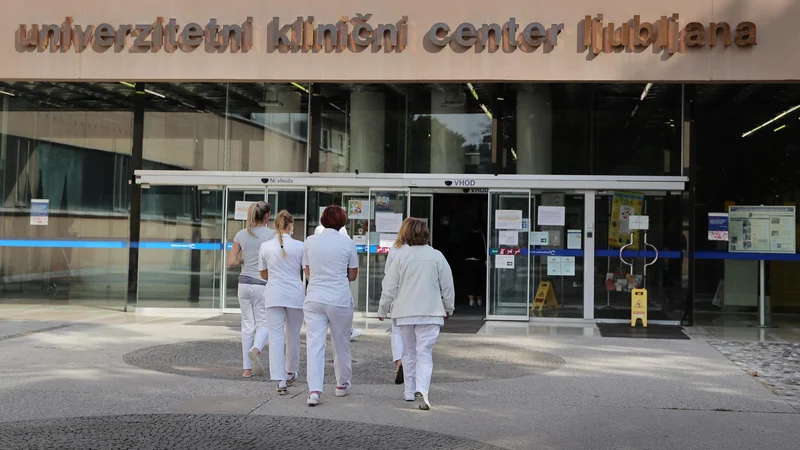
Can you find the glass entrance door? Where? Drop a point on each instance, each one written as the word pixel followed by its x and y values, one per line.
pixel 237 202
pixel 389 208
pixel 509 296
pixel 658 258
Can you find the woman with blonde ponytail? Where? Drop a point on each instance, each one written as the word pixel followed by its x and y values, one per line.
pixel 280 261
pixel 246 245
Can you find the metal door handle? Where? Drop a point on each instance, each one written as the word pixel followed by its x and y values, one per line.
pixel 622 249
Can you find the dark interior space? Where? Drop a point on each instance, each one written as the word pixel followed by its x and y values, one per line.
pixel 455 215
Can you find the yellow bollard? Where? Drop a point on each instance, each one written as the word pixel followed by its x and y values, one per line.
pixel 639 306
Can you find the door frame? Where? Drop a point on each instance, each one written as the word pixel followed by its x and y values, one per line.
pixel 490 211
pixel 373 212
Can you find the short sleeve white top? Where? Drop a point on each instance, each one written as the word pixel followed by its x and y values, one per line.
pixel 328 256
pixel 285 287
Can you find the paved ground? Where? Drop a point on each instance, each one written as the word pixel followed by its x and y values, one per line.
pixel 776 365
pixel 72 387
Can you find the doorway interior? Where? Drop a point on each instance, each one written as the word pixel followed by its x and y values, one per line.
pixel 455 217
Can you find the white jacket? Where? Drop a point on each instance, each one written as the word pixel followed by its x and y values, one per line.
pixel 418 282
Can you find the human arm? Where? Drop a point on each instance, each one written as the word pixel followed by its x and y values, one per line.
pixel 263 261
pixel 446 286
pixel 233 255
pixel 352 267
pixel 389 286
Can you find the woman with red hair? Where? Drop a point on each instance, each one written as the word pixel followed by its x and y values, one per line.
pixel 330 262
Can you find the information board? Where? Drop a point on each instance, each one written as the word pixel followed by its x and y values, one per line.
pixel 761 229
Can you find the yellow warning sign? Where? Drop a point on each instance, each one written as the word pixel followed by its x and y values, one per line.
pixel 545 294
pixel 639 306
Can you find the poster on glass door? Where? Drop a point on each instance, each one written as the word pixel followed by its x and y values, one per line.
pixel 240 210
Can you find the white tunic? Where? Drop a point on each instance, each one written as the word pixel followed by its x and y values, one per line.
pixel 329 255
pixel 285 286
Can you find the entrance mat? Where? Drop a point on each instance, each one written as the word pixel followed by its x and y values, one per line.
pixel 464 326
pixel 624 330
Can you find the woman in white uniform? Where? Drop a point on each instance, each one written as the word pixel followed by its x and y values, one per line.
pixel 246 245
pixel 281 262
pixel 355 332
pixel 418 290
pixel 331 263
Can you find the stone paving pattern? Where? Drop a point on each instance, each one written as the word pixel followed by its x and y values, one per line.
pixel 198 432
pixel 372 360
pixel 776 365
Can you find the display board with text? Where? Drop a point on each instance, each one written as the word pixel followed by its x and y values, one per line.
pixel 761 229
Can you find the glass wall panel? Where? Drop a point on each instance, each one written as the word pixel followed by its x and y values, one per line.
pixel 180 254
pixel 407 128
pixel 64 171
pixel 543 128
pixel 747 152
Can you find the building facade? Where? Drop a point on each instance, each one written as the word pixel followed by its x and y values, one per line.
pixel 131 136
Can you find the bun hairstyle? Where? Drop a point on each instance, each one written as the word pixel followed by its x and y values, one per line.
pixel 282 221
pixel 258 213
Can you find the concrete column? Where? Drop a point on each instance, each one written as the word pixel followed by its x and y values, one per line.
pixel 367 133
pixel 279 151
pixel 447 147
pixel 534 130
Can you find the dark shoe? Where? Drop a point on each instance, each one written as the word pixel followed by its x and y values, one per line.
pixel 398 376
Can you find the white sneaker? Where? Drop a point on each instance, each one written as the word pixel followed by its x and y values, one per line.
pixel 313 399
pixel 282 388
pixel 422 401
pixel 292 379
pixel 341 391
pixel 255 358
pixel 355 332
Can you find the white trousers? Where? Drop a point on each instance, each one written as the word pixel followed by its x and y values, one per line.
pixel 418 343
pixel 397 345
pixel 318 316
pixel 284 329
pixel 254 320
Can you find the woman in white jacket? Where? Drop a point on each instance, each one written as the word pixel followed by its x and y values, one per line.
pixel 418 290
pixel 280 261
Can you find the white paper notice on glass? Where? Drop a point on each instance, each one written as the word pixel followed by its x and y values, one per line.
pixel 240 210
pixel 360 239
pixel 387 240
pixel 551 216
pixel 639 222
pixel 540 238
pixel 503 261
pixel 574 239
pixel 388 222
pixel 568 266
pixel 509 238
pixel 508 219
pixel 553 266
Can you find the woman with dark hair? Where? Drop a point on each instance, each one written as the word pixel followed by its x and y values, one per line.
pixel 244 252
pixel 418 290
pixel 331 263
pixel 281 262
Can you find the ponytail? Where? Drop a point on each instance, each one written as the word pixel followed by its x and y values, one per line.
pixel 257 213
pixel 282 221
